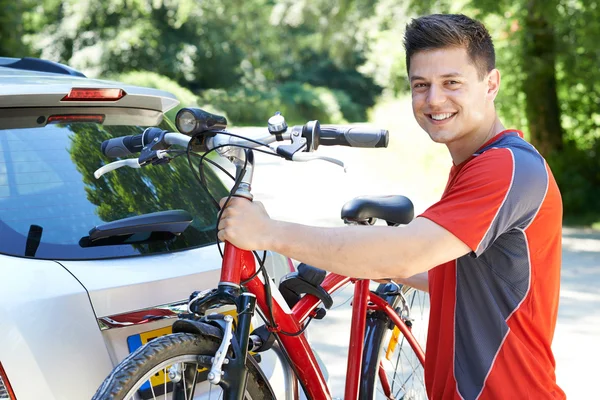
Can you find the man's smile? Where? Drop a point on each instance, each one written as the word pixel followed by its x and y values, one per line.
pixel 440 118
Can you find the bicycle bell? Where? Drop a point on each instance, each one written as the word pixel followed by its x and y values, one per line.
pixel 277 124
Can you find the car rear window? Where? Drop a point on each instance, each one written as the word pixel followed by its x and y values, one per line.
pixel 50 200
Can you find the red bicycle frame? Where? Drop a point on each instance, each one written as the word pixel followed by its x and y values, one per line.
pixel 239 265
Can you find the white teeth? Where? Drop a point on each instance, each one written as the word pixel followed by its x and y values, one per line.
pixel 439 117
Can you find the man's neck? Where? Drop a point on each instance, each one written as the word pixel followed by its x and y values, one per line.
pixel 464 148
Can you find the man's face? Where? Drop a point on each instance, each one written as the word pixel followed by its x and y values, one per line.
pixel 449 100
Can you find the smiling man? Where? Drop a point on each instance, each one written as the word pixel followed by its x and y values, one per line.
pixel 488 252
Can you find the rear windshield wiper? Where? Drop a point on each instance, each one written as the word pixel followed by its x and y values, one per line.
pixel 163 225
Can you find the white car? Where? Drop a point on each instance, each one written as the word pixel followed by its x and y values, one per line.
pixel 73 304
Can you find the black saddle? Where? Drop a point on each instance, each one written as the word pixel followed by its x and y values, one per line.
pixel 392 209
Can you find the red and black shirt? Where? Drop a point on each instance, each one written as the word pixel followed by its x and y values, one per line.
pixel 493 311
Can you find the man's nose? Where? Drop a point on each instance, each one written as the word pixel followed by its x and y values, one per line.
pixel 435 96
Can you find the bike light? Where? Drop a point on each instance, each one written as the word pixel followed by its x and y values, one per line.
pixel 64 118
pixel 96 94
pixel 6 392
pixel 191 121
pixel 186 123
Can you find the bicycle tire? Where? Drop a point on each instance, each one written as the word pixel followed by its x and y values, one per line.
pixel 156 355
pixel 397 361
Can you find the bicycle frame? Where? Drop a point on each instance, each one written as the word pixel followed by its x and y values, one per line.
pixel 239 265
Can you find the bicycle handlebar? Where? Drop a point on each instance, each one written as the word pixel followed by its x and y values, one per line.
pixel 353 136
pixel 315 135
pixel 327 135
pixel 124 146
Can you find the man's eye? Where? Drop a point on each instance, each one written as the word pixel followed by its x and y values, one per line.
pixel 420 85
pixel 453 82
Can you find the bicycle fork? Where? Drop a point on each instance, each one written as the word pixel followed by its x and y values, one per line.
pixel 235 342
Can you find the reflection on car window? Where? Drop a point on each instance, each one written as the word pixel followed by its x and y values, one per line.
pixel 49 198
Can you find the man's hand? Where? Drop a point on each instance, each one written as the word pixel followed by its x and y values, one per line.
pixel 245 224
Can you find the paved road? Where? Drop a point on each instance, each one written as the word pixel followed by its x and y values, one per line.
pixel 314 193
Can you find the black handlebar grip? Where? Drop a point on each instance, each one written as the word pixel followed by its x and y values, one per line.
pixel 122 146
pixel 353 136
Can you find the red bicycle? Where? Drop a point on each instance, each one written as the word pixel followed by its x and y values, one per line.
pixel 214 354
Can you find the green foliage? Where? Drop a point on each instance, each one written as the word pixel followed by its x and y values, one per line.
pixel 577 171
pixel 242 106
pixel 248 49
pixel 11 29
pixel 303 102
pixel 510 102
pixel 298 102
pixel 577 165
pixel 361 90
pixel 324 59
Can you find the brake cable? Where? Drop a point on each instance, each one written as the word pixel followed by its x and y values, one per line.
pixel 271 325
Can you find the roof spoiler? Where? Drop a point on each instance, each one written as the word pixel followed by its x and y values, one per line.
pixel 37 64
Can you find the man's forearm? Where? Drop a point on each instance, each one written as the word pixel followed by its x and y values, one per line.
pixel 359 252
pixel 372 252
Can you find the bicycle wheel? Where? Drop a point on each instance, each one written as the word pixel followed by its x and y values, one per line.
pixel 391 368
pixel 143 374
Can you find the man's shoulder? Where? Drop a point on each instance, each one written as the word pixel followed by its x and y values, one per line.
pixel 509 144
pixel 508 155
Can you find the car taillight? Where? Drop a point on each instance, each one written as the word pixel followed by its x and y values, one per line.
pixel 6 392
pixel 98 94
pixel 64 118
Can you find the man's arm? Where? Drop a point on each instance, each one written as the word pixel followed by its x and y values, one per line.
pixel 362 252
pixel 418 281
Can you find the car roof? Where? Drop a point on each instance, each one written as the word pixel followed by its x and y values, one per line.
pixel 27 82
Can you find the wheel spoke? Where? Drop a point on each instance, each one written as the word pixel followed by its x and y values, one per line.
pixel 185 396
pixel 152 389
pixel 403 369
pixel 194 381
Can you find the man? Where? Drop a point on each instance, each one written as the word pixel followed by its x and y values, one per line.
pixel 488 252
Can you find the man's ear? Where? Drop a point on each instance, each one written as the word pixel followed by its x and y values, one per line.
pixel 493 84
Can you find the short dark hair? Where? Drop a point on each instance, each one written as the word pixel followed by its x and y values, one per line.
pixel 438 31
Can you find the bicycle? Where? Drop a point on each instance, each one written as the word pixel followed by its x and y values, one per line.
pixel 222 350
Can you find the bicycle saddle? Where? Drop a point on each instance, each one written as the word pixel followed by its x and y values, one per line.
pixel 392 209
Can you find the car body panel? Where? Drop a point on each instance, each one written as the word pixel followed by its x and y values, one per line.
pixel 49 336
pixel 121 285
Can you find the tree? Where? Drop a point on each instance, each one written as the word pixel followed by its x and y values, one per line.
pixel 539 84
pixel 11 30
pixel 249 48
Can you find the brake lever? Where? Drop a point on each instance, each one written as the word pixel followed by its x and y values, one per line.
pixel 298 145
pixel 130 162
pixel 305 157
pixel 160 157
